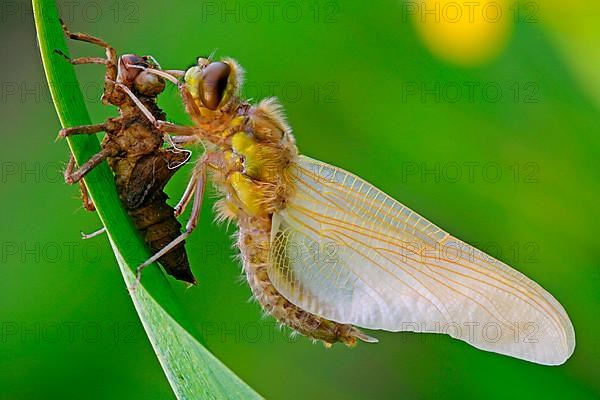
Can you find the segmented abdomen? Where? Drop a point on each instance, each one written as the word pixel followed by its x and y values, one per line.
pixel 254 244
pixel 140 183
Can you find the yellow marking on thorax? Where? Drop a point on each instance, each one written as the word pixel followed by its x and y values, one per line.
pixel 254 183
pixel 244 144
pixel 247 192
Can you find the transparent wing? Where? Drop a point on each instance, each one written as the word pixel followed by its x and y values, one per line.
pixel 346 251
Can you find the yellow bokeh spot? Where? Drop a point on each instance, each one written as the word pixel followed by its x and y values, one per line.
pixel 463 32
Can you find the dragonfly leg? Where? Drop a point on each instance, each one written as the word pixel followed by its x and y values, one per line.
pixel 82 130
pixel 198 194
pixel 86 236
pixel 187 194
pixel 88 204
pixel 179 130
pixel 83 60
pixel 75 176
pixel 110 61
pixel 84 37
pixel 176 73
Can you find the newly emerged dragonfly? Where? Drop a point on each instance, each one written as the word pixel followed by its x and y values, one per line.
pixel 325 251
pixel 134 150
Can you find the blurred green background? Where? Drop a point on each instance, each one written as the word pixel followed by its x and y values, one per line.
pixel 487 127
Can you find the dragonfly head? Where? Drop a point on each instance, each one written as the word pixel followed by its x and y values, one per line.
pixel 142 81
pixel 214 84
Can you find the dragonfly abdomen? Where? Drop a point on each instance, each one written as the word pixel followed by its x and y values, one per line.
pixel 254 244
pixel 140 183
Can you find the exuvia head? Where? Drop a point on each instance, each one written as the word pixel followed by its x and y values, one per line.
pixel 131 75
pixel 213 84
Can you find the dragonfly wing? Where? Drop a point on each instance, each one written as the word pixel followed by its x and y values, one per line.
pixel 346 251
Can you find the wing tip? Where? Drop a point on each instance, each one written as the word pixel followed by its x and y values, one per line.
pixel 569 343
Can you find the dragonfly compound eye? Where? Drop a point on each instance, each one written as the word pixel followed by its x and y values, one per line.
pixel 214 84
pixel 127 70
pixel 149 84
